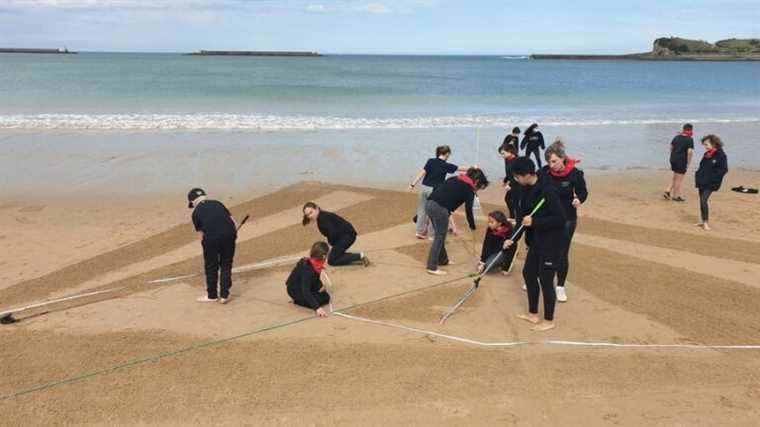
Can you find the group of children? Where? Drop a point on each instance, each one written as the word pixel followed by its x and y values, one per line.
pixel 709 176
pixel 541 202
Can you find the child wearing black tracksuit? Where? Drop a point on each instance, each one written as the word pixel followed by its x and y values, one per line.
pixel 512 195
pixel 304 284
pixel 498 231
pixel 533 143
pixel 545 236
pixel 340 235
pixel 570 184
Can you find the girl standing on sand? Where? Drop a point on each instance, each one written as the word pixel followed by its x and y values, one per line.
pixel 339 232
pixel 709 176
pixel 533 143
pixel 571 186
pixel 304 283
pixel 511 186
pixel 444 200
pixel 432 175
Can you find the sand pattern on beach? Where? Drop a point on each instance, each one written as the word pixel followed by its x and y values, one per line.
pixel 629 283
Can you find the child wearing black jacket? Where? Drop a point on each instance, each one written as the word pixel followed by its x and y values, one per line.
pixel 709 176
pixel 545 236
pixel 562 171
pixel 511 186
pixel 533 143
pixel 498 231
pixel 304 283
pixel 339 232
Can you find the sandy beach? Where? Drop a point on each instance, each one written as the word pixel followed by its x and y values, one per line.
pixel 641 274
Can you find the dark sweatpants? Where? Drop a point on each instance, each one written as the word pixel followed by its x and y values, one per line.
pixel 339 256
pixel 506 259
pixel 564 265
pixel 512 199
pixel 218 253
pixel 704 208
pixel 535 152
pixel 323 298
pixel 538 273
pixel 439 216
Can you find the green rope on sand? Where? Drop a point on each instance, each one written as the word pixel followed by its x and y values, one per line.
pixel 207 344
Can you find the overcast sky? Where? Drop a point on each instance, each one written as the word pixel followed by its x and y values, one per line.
pixel 372 26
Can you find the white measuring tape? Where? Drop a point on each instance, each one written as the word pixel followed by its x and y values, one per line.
pixel 549 342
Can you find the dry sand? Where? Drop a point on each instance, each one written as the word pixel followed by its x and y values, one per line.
pixel 641 274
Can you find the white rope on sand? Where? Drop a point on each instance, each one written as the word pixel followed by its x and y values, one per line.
pixel 53 301
pixel 550 342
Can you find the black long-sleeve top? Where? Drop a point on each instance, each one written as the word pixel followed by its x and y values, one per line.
pixel 569 187
pixel 509 177
pixel 547 232
pixel 711 171
pixel 303 283
pixel 334 227
pixel 493 243
pixel 532 140
pixel 509 140
pixel 452 194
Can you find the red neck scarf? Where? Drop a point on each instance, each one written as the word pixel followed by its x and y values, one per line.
pixel 502 231
pixel 510 157
pixel 688 133
pixel 710 153
pixel 467 180
pixel 569 167
pixel 317 264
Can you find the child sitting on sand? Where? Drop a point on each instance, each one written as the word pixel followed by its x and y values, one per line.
pixel 498 231
pixel 305 283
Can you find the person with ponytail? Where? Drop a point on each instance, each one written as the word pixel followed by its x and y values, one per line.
pixel 709 176
pixel 681 151
pixel 533 143
pixel 339 232
pixel 304 284
pixel 445 199
pixel 563 173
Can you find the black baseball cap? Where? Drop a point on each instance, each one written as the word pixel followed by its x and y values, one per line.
pixel 194 194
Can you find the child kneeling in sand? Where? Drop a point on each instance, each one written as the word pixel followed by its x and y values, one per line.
pixel 305 283
pixel 498 231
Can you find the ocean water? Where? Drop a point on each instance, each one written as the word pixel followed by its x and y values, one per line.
pixel 388 112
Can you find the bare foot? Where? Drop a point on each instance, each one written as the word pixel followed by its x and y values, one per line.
pixel 530 318
pixel 706 227
pixel 699 224
pixel 543 326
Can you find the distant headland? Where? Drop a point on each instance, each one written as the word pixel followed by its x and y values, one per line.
pixel 251 53
pixel 679 49
pixel 43 51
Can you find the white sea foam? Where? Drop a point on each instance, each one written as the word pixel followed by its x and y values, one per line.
pixel 269 123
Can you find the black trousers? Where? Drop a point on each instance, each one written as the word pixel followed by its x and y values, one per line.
pixel 323 298
pixel 339 256
pixel 535 152
pixel 506 259
pixel 538 273
pixel 564 265
pixel 218 253
pixel 704 208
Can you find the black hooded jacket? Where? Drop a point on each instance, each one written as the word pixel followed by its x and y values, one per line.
pixel 532 140
pixel 547 233
pixel 711 171
pixel 334 227
pixel 303 283
pixel 569 187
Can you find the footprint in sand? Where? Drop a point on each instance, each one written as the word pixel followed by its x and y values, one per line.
pixel 27 209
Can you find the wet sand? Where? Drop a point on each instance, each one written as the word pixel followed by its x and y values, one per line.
pixel 638 277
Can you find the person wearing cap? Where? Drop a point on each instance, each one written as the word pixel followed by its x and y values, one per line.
pixel 218 231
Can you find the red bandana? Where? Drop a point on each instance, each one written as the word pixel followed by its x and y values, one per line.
pixel 710 153
pixel 569 167
pixel 317 264
pixel 688 133
pixel 467 180
pixel 502 231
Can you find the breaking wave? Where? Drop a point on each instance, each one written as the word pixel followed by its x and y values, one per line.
pixel 270 123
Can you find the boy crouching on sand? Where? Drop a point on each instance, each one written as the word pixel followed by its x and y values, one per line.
pixel 498 231
pixel 305 283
